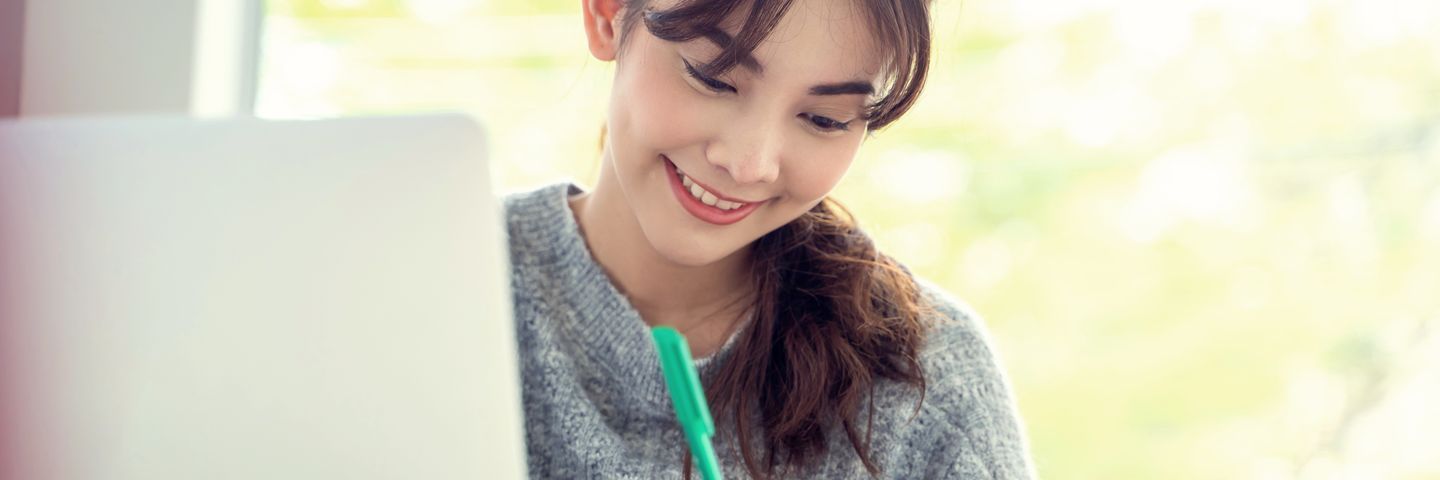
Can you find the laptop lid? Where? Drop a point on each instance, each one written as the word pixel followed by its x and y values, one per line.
pixel 248 299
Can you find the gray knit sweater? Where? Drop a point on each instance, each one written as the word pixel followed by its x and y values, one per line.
pixel 595 398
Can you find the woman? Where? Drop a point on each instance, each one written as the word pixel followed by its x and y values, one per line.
pixel 728 125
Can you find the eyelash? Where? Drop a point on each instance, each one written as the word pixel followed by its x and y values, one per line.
pixel 712 84
pixel 824 124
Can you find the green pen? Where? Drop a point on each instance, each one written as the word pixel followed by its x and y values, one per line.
pixel 689 398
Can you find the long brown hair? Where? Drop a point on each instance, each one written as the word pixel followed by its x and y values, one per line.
pixel 832 315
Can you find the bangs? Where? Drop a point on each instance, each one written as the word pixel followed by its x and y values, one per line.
pixel 901 25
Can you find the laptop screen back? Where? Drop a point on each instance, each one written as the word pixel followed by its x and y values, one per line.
pixel 248 299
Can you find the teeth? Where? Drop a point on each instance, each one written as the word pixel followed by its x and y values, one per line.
pixel 705 196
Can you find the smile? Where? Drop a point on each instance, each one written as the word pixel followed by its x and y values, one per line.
pixel 704 204
pixel 704 195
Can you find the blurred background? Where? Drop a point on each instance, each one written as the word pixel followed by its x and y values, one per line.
pixel 1205 234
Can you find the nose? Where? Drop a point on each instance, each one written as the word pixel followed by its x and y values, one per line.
pixel 749 152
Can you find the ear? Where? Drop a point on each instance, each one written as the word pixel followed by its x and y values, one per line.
pixel 601 22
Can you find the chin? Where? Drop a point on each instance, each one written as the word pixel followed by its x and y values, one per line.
pixel 681 246
pixel 688 253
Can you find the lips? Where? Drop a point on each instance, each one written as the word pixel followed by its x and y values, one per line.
pixel 700 210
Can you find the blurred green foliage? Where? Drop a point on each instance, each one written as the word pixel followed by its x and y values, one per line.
pixel 1205 234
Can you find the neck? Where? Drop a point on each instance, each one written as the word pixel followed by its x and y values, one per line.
pixel 701 301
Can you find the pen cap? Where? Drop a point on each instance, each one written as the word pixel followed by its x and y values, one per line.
pixel 686 392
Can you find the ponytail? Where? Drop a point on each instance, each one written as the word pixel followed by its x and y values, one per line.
pixel 832 317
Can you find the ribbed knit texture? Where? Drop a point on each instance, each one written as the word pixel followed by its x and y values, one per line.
pixel 595 398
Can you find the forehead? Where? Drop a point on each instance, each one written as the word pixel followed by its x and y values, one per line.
pixel 815 41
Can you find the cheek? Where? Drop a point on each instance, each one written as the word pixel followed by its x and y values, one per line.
pixel 656 108
pixel 816 168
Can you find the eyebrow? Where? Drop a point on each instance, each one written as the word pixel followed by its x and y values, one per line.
pixel 843 88
pixel 723 40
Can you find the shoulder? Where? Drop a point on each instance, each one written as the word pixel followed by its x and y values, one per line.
pixel 544 245
pixel 959 351
pixel 535 205
pixel 968 411
pixel 538 223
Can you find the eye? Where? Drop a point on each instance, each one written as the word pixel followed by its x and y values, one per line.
pixel 710 83
pixel 825 124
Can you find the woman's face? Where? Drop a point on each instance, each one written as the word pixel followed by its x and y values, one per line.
pixel 774 135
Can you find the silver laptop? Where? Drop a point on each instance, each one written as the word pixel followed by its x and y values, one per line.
pixel 247 299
